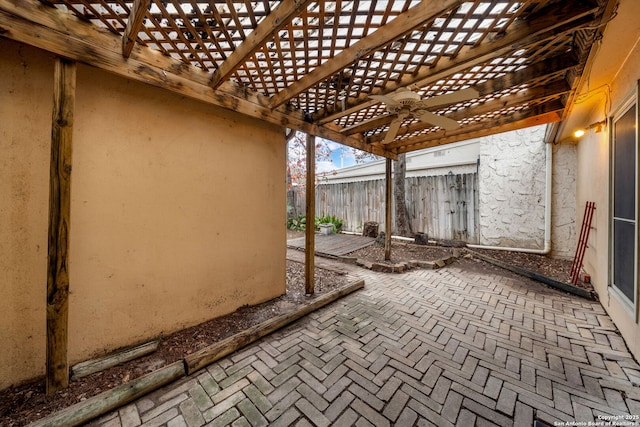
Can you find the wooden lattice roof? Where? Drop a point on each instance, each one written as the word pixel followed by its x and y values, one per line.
pixel 312 65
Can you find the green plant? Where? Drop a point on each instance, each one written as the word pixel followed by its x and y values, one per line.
pixel 331 219
pixel 300 223
pixel 297 224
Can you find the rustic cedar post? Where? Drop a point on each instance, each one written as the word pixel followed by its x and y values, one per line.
pixel 59 213
pixel 388 227
pixel 309 249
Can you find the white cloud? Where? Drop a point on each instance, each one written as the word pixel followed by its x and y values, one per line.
pixel 325 166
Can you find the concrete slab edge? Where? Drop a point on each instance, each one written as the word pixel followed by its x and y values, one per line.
pixel 536 276
pixel 109 400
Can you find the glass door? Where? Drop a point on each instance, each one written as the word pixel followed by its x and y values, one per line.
pixel 624 207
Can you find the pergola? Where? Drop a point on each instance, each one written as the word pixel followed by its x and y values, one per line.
pixel 312 66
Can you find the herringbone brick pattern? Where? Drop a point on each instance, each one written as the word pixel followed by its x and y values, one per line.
pixel 458 346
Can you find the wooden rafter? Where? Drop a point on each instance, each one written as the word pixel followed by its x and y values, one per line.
pixel 547 67
pixel 542 114
pixel 366 125
pixel 134 24
pixel 509 101
pixel 61 33
pixel 402 24
pixel 561 19
pixel 610 10
pixel 271 24
pixel 555 65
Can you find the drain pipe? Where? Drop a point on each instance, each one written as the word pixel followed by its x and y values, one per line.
pixel 401 238
pixel 547 213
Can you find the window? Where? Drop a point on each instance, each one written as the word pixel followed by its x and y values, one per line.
pixel 624 208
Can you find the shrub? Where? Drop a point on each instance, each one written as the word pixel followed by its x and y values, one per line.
pixel 297 224
pixel 300 223
pixel 332 219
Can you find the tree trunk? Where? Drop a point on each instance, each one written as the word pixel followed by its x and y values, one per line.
pixel 370 229
pixel 292 211
pixel 403 224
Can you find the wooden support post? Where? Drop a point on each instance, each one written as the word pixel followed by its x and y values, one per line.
pixel 388 227
pixel 134 24
pixel 59 214
pixel 309 247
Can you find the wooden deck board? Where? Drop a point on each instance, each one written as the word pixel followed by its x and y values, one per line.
pixel 333 244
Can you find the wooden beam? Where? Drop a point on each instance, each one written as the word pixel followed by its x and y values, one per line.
pixel 370 124
pixel 538 70
pixel 554 89
pixel 610 10
pixel 310 202
pixel 27 21
pixel 388 227
pixel 425 11
pixel 134 23
pixel 541 69
pixel 561 18
pixel 548 113
pixel 265 31
pixel 64 78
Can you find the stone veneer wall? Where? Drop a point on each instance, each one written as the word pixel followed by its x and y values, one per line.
pixel 563 202
pixel 512 185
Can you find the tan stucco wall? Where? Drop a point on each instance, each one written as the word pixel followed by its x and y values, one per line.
pixel 25 110
pixel 177 214
pixel 594 177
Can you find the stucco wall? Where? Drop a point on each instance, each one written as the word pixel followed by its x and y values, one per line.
pixel 593 185
pixel 512 185
pixel 25 109
pixel 177 213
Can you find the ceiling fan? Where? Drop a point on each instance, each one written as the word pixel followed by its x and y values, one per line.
pixel 405 103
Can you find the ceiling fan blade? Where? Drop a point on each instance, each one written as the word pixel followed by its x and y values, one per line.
pixel 394 126
pixel 448 98
pixel 386 99
pixel 440 121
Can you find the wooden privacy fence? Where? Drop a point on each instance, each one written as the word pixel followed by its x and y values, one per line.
pixel 443 206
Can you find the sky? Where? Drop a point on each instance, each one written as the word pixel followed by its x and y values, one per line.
pixel 341 156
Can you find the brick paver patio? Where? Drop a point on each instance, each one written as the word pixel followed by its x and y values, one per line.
pixel 459 346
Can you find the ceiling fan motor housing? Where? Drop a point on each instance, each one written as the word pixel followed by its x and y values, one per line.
pixel 406 97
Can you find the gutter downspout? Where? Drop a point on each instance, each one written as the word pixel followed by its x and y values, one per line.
pixel 547 213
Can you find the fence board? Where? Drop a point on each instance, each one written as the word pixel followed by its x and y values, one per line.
pixel 443 206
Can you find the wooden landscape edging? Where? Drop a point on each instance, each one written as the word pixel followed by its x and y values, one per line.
pixel 208 355
pixel 539 277
pixel 109 400
pixel 95 365
pixel 95 406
